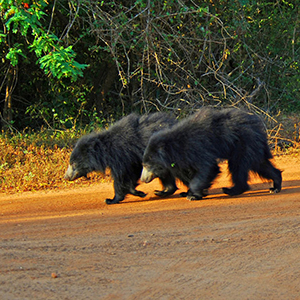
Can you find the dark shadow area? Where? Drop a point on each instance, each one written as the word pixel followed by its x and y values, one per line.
pixel 256 190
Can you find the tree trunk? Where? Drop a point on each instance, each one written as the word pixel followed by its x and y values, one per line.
pixel 105 87
pixel 8 105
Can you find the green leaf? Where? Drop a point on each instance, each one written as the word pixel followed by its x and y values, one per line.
pixel 14 53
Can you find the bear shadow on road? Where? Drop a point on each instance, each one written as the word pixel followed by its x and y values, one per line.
pixel 256 190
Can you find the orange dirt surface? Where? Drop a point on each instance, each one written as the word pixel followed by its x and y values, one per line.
pixel 71 245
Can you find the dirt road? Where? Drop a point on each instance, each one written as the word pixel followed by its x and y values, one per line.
pixel 71 245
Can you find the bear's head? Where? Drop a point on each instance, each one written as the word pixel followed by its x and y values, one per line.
pixel 85 158
pixel 156 161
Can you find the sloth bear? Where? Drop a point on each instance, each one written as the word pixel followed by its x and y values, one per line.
pixel 191 149
pixel 120 148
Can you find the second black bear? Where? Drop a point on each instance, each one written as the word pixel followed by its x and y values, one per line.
pixel 121 149
pixel 190 151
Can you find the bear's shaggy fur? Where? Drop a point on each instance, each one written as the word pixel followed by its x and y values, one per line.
pixel 190 151
pixel 120 148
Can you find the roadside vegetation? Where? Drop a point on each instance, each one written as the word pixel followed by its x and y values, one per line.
pixel 38 161
pixel 69 65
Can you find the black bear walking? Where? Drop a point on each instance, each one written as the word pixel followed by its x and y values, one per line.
pixel 121 149
pixel 190 151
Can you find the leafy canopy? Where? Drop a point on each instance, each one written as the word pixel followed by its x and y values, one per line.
pixel 26 22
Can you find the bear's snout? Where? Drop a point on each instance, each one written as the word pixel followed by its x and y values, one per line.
pixel 147 176
pixel 71 173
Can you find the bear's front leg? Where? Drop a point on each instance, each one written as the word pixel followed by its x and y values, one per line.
pixel 113 201
pixel 198 187
pixel 188 193
pixel 194 196
pixel 120 194
pixel 169 184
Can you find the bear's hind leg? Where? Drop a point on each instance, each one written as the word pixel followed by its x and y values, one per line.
pixel 268 171
pixel 239 173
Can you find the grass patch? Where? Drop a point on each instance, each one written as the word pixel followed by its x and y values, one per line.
pixel 38 161
pixel 284 137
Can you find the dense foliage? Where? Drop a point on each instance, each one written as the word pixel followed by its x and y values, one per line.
pixel 66 63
